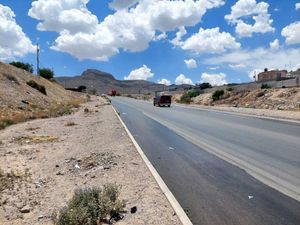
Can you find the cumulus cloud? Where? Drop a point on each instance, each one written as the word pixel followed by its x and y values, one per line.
pixel 292 33
pixel 164 81
pixel 13 41
pixel 274 45
pixel 214 79
pixel 181 79
pixel 131 27
pixel 180 33
pixel 142 73
pixel 210 41
pixel 122 4
pixel 245 8
pixel 297 6
pixel 259 58
pixel 190 63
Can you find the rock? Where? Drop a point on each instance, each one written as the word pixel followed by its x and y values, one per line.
pixel 19 205
pixel 25 209
pixel 133 210
pixel 86 110
pixel 106 167
pixel 59 173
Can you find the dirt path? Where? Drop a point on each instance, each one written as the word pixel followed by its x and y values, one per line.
pixel 85 149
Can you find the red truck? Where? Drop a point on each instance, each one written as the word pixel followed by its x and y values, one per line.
pixel 113 92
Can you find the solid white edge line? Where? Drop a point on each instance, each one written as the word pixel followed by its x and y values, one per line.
pixel 173 201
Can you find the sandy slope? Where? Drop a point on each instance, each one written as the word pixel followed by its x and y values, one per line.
pixel 99 145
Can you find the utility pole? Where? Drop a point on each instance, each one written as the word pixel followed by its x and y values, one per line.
pixel 37 59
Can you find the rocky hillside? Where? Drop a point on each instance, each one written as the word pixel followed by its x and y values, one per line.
pixel 104 82
pixel 24 96
pixel 275 98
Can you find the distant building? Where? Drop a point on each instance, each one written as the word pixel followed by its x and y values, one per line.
pixel 272 75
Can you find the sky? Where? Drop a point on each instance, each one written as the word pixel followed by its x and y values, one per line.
pixel 163 41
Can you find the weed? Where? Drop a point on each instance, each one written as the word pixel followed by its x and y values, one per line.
pixel 35 139
pixel 8 179
pixel 187 96
pixel 265 86
pixel 6 122
pixel 230 89
pixel 91 206
pixel 70 123
pixel 35 85
pixel 11 78
pixel 217 94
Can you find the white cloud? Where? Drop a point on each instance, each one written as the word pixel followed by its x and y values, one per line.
pixel 180 33
pixel 181 79
pixel 190 63
pixel 122 4
pixel 297 6
pixel 164 81
pixel 259 58
pixel 142 73
pixel 237 66
pixel 214 79
pixel 210 41
pixel 253 74
pixel 274 45
pixel 245 8
pixel 214 68
pixel 13 41
pixel 292 33
pixel 130 29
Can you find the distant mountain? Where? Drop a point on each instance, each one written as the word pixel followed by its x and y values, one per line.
pixel 103 82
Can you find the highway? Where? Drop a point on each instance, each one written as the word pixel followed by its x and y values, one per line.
pixel 223 168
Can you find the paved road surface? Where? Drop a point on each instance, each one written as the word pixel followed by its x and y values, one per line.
pixel 202 156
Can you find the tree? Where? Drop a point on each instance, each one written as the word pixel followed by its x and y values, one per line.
pixel 25 66
pixel 205 85
pixel 46 73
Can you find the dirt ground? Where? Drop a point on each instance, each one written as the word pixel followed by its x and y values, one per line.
pixel 53 157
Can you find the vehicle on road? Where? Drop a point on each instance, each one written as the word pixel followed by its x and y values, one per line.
pixel 113 92
pixel 162 100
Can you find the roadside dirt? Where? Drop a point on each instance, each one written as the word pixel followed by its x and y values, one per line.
pixel 277 103
pixel 53 157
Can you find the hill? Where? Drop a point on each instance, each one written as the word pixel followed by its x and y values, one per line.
pixel 25 96
pixel 103 82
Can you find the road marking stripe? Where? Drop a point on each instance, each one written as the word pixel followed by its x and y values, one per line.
pixel 173 201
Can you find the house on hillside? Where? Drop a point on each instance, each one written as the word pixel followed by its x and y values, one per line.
pixel 272 75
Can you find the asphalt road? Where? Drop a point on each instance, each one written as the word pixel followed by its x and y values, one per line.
pixel 222 168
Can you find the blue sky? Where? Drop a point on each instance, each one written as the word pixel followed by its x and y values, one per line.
pixel 217 41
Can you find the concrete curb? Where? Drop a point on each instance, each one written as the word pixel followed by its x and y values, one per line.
pixel 174 203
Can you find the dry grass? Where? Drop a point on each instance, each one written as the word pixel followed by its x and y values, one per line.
pixel 9 179
pixel 10 116
pixel 35 139
pixel 70 124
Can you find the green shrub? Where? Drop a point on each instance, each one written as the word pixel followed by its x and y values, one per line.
pixel 230 89
pixel 265 86
pixel 25 66
pixel 205 85
pixel 187 96
pixel 35 85
pixel 46 73
pixel 91 206
pixel 5 123
pixel 217 94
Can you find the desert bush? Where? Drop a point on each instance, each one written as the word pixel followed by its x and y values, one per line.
pixel 230 89
pixel 217 94
pixel 205 85
pixel 187 96
pixel 265 86
pixel 5 123
pixel 8 179
pixel 35 85
pixel 46 73
pixel 25 66
pixel 91 206
pixel 11 78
